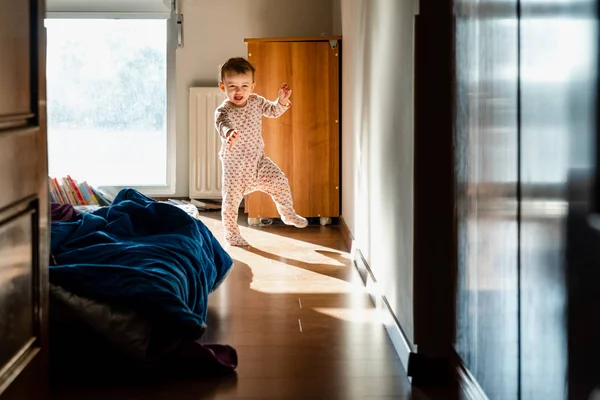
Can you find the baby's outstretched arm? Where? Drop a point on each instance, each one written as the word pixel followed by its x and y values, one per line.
pixel 277 108
pixel 225 127
pixel 223 123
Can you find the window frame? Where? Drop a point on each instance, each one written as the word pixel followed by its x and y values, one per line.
pixel 172 44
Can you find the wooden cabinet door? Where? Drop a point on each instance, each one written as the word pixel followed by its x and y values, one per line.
pixel 23 202
pixel 304 142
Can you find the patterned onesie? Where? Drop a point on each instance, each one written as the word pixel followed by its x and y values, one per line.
pixel 246 168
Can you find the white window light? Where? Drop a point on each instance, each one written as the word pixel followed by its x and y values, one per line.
pixel 105 123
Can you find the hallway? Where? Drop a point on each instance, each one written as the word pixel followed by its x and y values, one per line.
pixel 296 311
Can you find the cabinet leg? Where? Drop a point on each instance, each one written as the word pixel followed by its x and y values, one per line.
pixel 324 221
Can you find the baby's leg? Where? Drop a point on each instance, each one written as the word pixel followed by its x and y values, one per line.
pixel 272 181
pixel 233 192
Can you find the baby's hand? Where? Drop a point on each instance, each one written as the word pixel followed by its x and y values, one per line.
pixel 233 138
pixel 284 94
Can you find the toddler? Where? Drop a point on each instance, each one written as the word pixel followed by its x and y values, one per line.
pixel 246 168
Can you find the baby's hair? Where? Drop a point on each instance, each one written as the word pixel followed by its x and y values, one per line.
pixel 236 65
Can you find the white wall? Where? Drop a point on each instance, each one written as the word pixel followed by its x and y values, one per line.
pixel 214 30
pixel 377 141
pixel 336 20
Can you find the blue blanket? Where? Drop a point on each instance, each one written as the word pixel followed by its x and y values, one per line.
pixel 146 256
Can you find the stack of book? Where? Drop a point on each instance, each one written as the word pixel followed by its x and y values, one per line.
pixel 68 191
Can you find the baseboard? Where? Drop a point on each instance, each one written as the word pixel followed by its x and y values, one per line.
pixel 436 372
pixel 346 234
pixel 361 266
pixel 469 387
pixel 389 320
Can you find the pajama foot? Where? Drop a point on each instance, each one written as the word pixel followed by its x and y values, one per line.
pixel 238 242
pixel 296 220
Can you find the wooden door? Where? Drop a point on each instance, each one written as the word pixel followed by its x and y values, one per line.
pixel 304 142
pixel 23 202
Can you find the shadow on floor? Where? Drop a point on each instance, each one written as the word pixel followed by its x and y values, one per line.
pixel 332 271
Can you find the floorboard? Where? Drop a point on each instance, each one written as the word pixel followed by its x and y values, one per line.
pixel 298 315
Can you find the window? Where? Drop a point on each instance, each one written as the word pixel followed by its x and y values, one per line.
pixel 108 97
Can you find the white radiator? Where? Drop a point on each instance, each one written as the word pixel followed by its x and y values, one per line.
pixel 205 166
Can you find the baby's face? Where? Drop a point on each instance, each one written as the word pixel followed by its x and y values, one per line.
pixel 237 87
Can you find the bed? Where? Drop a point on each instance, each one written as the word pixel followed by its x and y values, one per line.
pixel 137 274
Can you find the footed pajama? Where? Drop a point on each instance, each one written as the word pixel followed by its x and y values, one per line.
pixel 246 168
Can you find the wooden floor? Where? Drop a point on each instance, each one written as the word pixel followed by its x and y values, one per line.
pixel 297 313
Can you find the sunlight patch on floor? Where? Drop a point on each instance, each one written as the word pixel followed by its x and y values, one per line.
pixel 281 264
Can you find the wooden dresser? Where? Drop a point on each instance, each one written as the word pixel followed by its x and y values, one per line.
pixel 305 141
